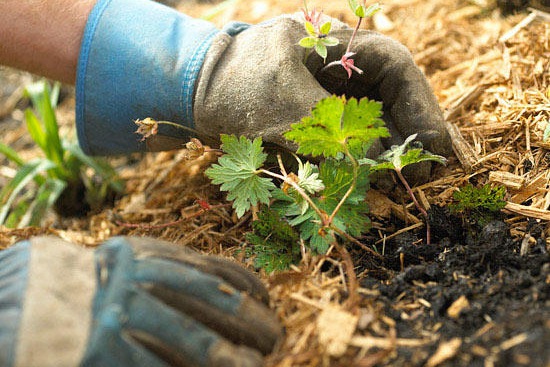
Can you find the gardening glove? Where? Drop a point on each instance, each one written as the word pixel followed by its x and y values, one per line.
pixel 132 302
pixel 140 59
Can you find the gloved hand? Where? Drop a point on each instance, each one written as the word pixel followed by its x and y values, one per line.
pixel 140 59
pixel 132 302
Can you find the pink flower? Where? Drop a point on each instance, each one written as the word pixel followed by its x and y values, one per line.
pixel 347 62
pixel 313 17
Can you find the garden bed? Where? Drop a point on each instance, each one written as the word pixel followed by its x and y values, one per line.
pixel 468 299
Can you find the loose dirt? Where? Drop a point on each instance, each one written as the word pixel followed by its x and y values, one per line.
pixel 477 296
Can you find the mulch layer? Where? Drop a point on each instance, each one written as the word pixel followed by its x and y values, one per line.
pixel 477 296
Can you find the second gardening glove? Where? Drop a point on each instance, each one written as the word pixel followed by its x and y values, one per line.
pixel 133 302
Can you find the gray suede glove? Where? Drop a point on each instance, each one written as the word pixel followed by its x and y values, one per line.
pixel 132 302
pixel 256 84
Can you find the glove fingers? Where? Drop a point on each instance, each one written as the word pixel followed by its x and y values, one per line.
pixel 210 301
pixel 391 76
pixel 179 340
pixel 251 325
pixel 232 273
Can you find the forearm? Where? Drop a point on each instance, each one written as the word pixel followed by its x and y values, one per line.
pixel 43 36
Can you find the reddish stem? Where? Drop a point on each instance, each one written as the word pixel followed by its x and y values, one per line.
pixel 169 224
pixel 416 203
pixel 348 49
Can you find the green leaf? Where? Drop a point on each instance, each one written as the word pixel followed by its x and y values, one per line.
pixel 237 173
pixel 325 28
pixel 308 42
pixel 310 28
pixel 372 9
pixel 330 41
pixel 45 198
pixel 308 178
pixel 25 174
pixel 399 156
pixel 353 4
pixel 321 49
pixel 35 129
pixel 360 11
pixel 337 126
pixel 39 93
pixel 275 242
pixel 419 155
pixel 338 176
pixel 11 154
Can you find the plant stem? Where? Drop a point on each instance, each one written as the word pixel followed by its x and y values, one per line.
pixel 348 49
pixel 169 224
pixel 178 126
pixel 354 240
pixel 300 191
pixel 351 187
pixel 353 300
pixel 416 203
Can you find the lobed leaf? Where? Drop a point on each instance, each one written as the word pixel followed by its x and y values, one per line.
pixel 399 156
pixel 237 173
pixel 337 126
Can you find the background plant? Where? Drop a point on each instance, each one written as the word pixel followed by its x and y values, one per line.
pixel 62 168
pixel 480 204
pixel 400 156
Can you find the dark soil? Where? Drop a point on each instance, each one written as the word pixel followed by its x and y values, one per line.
pixel 506 321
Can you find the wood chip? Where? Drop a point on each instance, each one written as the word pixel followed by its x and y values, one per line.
pixel 460 304
pixel 335 327
pixel 507 179
pixel 444 352
pixel 528 211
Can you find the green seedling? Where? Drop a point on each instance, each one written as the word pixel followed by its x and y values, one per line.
pixel 324 201
pixel 62 168
pixel 400 156
pixel 319 39
pixel 275 243
pixel 480 204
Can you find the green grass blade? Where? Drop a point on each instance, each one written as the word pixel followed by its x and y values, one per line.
pixel 11 154
pixel 25 174
pixel 16 213
pixel 54 94
pixel 100 166
pixel 39 93
pixel 35 129
pixel 45 198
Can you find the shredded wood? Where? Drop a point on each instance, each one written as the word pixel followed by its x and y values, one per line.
pixel 492 77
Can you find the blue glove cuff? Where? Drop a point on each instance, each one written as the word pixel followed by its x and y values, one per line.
pixel 138 59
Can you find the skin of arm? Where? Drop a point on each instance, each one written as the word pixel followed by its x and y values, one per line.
pixel 43 36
